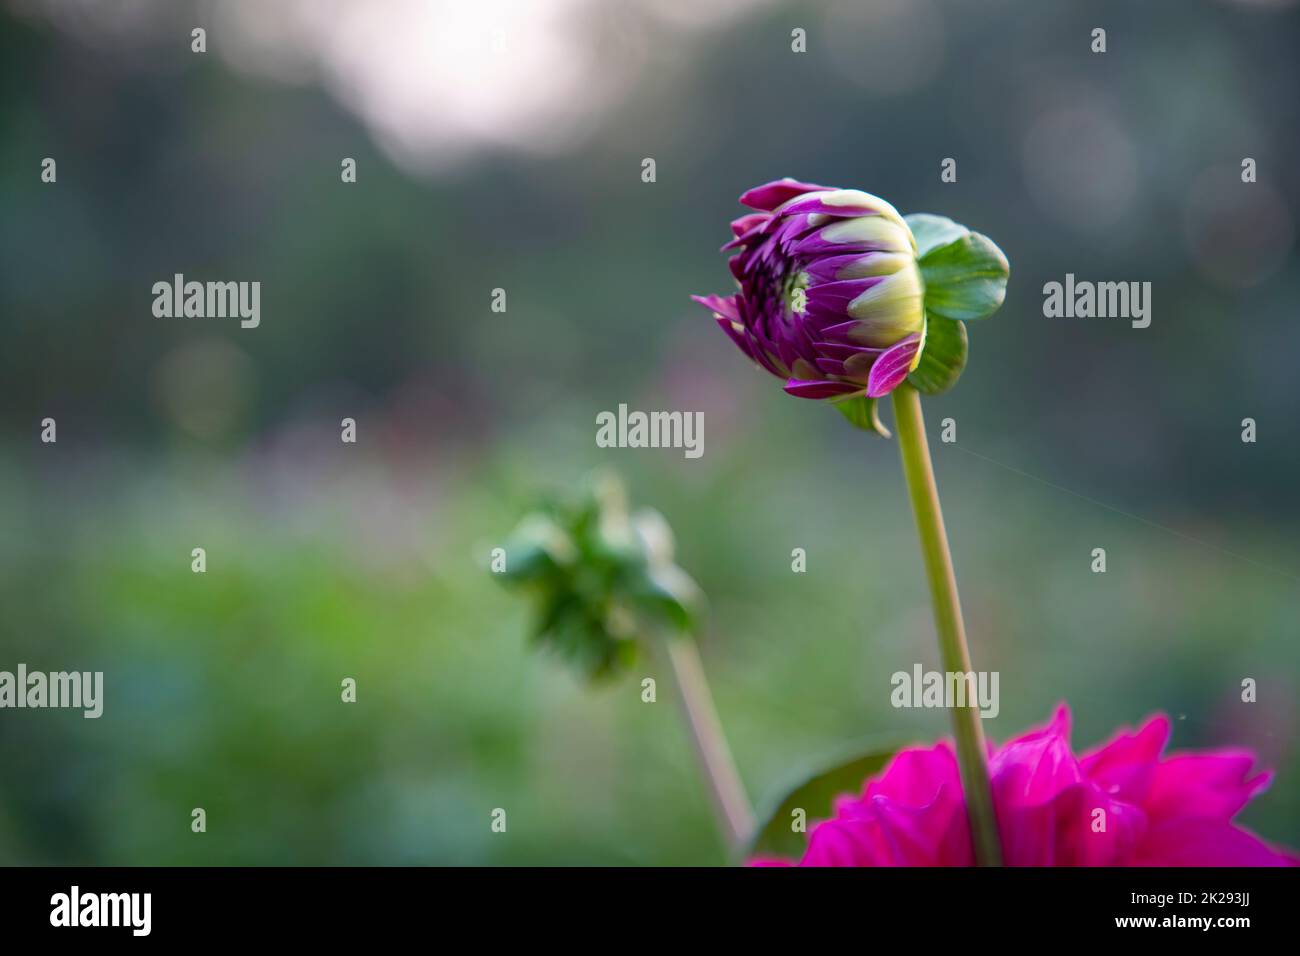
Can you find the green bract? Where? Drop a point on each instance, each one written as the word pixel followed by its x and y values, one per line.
pixel 965 277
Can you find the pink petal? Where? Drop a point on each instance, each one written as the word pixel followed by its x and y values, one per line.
pixel 916 774
pixel 723 305
pixel 1126 765
pixel 1036 766
pixel 813 388
pixel 1204 785
pixel 892 367
pixel 845 843
pixel 770 195
pixel 1207 843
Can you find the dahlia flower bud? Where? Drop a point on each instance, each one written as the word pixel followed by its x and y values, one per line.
pixel 603 576
pixel 845 299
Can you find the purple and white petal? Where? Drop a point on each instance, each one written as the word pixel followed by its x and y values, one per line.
pixel 819 389
pixel 770 195
pixel 891 368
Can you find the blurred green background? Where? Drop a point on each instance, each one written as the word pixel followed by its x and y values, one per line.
pixel 500 145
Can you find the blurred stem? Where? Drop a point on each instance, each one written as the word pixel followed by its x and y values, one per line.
pixel 734 812
pixel 972 755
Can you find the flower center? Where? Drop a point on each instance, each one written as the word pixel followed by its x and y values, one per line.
pixel 794 291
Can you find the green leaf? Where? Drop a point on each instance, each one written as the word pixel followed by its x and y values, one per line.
pixel 944 356
pixel 965 279
pixel 672 592
pixel 815 795
pixel 862 412
pixel 537 548
pixel 656 535
pixel 932 231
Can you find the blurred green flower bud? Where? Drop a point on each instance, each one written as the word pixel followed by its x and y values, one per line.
pixel 603 576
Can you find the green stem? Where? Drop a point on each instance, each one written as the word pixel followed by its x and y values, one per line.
pixel 972 756
pixel 729 800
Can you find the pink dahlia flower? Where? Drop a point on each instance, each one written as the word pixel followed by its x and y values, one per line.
pixel 1120 805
